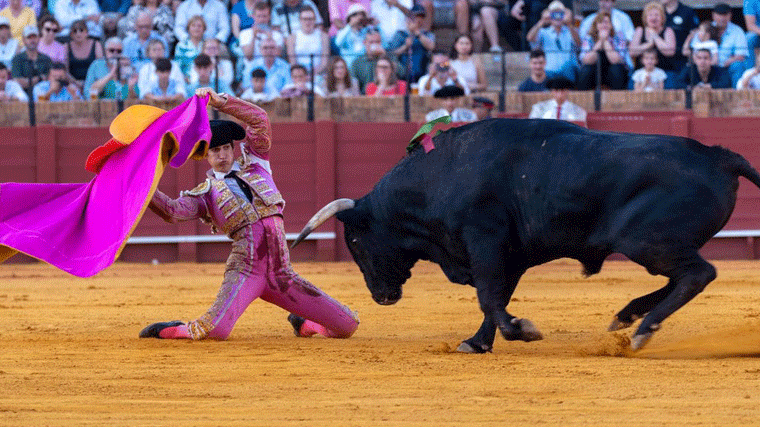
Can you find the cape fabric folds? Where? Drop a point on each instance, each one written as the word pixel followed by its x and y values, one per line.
pixel 82 228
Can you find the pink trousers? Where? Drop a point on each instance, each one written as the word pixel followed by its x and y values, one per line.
pixel 259 266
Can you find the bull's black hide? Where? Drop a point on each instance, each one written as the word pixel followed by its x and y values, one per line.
pixel 497 197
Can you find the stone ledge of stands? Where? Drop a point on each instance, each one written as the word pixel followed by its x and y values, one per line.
pixel 705 103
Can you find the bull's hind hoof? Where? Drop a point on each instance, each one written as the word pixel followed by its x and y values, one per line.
pixel 521 329
pixel 639 341
pixel 154 330
pixel 470 347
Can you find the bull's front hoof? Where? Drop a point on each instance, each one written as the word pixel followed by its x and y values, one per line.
pixel 521 329
pixel 639 341
pixel 470 347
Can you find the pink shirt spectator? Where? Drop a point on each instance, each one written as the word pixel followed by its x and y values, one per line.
pixel 338 9
pixel 56 51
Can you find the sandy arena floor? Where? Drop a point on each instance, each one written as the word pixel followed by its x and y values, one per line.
pixel 70 353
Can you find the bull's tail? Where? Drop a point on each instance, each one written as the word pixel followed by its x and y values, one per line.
pixel 739 166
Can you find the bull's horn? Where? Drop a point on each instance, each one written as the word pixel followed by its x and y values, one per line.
pixel 323 215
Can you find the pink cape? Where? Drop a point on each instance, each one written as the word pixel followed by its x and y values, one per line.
pixel 82 228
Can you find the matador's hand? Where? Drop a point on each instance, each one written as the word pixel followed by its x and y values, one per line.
pixel 214 99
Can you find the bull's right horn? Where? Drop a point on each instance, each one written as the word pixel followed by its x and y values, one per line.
pixel 323 215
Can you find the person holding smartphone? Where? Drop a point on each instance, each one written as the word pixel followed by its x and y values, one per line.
pixel 556 35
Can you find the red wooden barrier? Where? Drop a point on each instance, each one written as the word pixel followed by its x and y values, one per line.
pixel 315 163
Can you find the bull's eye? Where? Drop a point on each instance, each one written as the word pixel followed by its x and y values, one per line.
pixel 354 240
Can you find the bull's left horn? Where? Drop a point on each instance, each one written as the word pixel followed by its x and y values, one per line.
pixel 323 215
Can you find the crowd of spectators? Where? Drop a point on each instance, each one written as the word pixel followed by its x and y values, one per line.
pixel 263 49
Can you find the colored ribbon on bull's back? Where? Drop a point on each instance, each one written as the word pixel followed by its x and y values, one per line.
pixel 82 228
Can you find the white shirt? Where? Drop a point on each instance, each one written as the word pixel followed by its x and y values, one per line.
pixel 213 12
pixel 620 21
pixel 147 77
pixel 548 110
pixel 390 18
pixel 435 85
pixel 656 76
pixel 15 91
pixel 66 12
pixel 8 51
pixel 458 115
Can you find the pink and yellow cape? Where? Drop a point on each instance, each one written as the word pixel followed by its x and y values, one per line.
pixel 82 228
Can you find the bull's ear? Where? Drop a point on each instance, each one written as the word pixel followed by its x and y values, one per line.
pixel 354 217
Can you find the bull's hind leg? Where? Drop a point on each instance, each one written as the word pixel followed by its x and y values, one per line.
pixel 637 308
pixel 690 276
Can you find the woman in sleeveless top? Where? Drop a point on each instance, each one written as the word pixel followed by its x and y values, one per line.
pixel 467 66
pixel 82 51
pixel 310 39
pixel 655 35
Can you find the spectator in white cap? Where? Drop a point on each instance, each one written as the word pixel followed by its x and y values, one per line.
pixel 29 66
pixel 19 17
pixel 339 12
pixel 350 39
pixel 9 46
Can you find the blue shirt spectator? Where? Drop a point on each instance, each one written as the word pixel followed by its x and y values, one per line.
pixel 414 45
pixel 57 88
pixel 136 45
pixel 350 39
pixel 558 41
pixel 214 13
pixel 276 68
pixel 732 43
pixel 114 6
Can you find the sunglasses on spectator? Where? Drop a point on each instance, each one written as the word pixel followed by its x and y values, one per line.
pixel 50 29
pixel 112 50
pixel 78 30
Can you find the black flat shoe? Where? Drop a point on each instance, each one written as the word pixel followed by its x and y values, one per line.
pixel 297 322
pixel 153 331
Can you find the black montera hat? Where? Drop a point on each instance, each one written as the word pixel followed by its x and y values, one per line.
pixel 449 91
pixel 559 83
pixel 225 132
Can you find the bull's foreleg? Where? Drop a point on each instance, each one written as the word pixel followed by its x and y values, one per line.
pixel 690 279
pixel 482 341
pixel 637 308
pixel 494 294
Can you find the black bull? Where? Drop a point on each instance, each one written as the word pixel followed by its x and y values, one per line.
pixel 497 197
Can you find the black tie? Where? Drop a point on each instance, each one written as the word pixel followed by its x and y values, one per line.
pixel 243 185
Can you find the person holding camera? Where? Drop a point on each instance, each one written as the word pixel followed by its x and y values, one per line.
pixel 441 74
pixel 57 88
pixel 350 39
pixel 112 77
pixel 413 45
pixel 556 35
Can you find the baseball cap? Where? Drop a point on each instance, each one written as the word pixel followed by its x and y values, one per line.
pixel 31 30
pixel 354 9
pixel 722 8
